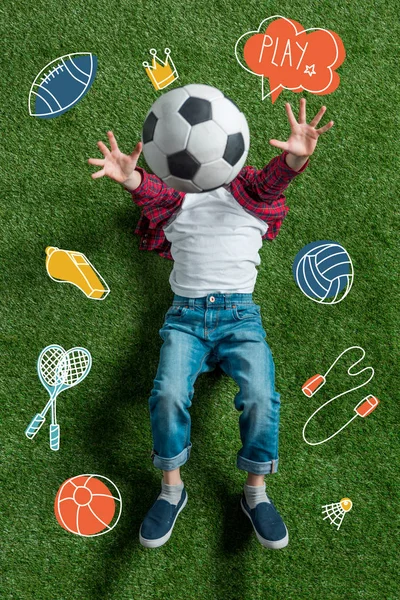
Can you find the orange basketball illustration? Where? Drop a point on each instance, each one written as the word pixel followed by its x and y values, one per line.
pixel 84 505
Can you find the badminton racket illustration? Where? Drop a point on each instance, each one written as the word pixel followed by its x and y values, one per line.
pixel 58 370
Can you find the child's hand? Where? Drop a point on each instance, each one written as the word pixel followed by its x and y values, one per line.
pixel 116 165
pixel 303 137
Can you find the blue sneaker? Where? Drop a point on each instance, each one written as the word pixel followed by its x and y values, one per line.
pixel 159 522
pixel 270 529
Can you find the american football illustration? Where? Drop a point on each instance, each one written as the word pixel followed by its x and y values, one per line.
pixel 61 84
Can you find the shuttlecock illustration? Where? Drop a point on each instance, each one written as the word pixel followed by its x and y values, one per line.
pixel 335 512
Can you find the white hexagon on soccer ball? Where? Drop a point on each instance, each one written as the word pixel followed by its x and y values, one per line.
pixel 156 160
pixel 213 174
pixel 244 129
pixel 169 103
pixel 183 185
pixel 238 167
pixel 227 115
pixel 171 135
pixel 206 92
pixel 207 142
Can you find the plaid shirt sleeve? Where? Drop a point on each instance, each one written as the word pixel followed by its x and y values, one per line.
pixel 267 184
pixel 158 201
pixel 261 191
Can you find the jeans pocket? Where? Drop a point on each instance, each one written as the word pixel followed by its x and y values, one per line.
pixel 176 312
pixel 242 312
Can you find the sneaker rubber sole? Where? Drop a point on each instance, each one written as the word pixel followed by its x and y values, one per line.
pixel 274 544
pixel 155 543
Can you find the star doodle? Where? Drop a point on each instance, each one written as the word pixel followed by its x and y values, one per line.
pixel 310 70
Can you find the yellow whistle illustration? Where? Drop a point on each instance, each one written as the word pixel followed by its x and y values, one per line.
pixel 66 266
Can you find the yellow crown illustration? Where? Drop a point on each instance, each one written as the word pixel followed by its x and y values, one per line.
pixel 161 74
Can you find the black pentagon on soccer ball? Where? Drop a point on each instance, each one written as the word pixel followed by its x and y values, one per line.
pixel 183 165
pixel 196 110
pixel 234 148
pixel 149 127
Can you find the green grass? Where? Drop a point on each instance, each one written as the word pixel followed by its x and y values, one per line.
pixel 48 198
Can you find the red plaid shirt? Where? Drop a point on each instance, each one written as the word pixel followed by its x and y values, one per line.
pixel 260 192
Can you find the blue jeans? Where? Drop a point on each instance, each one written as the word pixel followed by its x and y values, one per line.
pixel 198 333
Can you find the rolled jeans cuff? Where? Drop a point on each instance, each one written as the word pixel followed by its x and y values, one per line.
pixel 258 468
pixel 169 464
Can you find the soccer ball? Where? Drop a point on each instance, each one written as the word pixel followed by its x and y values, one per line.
pixel 195 139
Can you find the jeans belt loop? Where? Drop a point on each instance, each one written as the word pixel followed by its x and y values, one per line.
pixel 191 303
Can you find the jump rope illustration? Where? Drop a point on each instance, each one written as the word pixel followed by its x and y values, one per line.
pixel 58 370
pixel 362 409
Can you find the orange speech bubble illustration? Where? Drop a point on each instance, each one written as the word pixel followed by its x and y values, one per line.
pixel 292 57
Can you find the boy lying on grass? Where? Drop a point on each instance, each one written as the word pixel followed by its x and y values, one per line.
pixel 214 238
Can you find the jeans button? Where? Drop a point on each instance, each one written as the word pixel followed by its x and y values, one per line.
pixel 212 299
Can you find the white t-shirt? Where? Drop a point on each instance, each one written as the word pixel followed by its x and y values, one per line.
pixel 214 244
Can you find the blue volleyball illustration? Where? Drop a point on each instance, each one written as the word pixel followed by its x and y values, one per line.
pixel 323 271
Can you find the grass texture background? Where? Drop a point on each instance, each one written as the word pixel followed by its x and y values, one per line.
pixel 348 194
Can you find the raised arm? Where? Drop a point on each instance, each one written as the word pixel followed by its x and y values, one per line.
pixel 147 190
pixel 269 183
pixel 303 136
pixel 118 166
